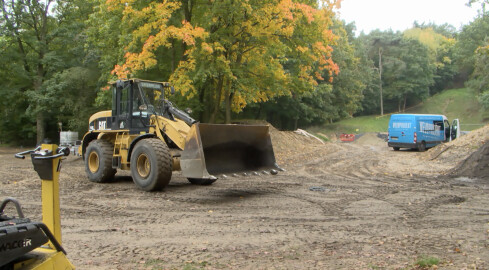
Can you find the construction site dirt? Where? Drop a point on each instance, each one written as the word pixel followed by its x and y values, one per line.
pixel 338 205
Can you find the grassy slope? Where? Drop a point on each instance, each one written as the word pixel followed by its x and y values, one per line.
pixel 453 103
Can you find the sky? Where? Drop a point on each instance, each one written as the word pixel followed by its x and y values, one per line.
pixel 399 15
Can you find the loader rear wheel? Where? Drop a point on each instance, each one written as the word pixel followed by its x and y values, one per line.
pixel 98 161
pixel 151 164
pixel 202 182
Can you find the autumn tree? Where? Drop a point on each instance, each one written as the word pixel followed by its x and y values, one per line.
pixel 236 52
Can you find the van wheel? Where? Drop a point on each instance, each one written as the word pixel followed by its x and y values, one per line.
pixel 396 148
pixel 422 147
pixel 151 164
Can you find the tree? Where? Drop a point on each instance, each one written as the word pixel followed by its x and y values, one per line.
pixel 330 101
pixel 483 4
pixel 236 52
pixel 36 34
pixel 472 36
pixel 472 52
pixel 407 72
pixel 441 48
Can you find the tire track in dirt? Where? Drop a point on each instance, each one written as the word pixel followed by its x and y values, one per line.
pixel 364 175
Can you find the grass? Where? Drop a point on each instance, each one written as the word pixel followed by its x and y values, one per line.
pixel 355 125
pixel 321 136
pixel 454 103
pixel 427 261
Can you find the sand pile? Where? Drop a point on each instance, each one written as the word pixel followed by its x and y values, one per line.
pixel 469 154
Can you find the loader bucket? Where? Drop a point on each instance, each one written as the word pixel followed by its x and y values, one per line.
pixel 213 149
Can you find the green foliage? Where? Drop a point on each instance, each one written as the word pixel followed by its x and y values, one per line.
pixel 330 101
pixel 427 261
pixel 473 52
pixel 441 53
pixel 472 36
pixel 289 62
pixel 405 68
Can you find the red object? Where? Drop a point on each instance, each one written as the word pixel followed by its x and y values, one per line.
pixel 347 137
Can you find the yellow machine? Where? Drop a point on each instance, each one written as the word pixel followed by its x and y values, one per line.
pixel 36 245
pixel 146 134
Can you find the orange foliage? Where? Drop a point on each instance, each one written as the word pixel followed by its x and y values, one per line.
pixel 277 28
pixel 154 33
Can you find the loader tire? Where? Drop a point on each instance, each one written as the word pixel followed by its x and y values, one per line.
pixel 98 161
pixel 202 182
pixel 151 164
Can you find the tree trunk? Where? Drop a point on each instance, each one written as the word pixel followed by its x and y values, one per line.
pixel 229 98
pixel 217 101
pixel 40 127
pixel 40 119
pixel 405 101
pixel 258 113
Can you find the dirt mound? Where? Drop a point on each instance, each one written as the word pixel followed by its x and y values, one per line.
pixel 460 149
pixel 476 165
pixel 288 144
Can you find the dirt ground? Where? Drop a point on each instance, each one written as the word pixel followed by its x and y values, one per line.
pixel 357 205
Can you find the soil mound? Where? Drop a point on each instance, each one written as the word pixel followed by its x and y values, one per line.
pixel 460 149
pixel 476 165
pixel 290 147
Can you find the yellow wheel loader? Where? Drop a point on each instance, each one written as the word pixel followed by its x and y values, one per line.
pixel 146 134
pixel 25 244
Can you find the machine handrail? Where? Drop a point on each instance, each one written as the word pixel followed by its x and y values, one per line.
pixel 15 202
pixel 22 155
pixel 61 151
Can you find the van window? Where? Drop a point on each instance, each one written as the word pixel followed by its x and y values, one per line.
pixel 426 126
pixel 438 125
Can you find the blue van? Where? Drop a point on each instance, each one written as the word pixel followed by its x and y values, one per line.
pixel 420 131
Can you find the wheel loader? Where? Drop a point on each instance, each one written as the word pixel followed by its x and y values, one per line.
pixel 146 134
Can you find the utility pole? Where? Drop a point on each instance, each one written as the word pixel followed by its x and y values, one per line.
pixel 380 83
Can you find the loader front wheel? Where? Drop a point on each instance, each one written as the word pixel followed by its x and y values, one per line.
pixel 151 164
pixel 98 161
pixel 202 182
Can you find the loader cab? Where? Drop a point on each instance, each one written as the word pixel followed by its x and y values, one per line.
pixel 133 103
